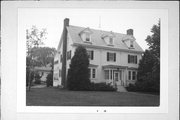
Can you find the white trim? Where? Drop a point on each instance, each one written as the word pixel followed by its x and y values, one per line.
pixel 108 48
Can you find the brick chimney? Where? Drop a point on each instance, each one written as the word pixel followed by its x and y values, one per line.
pixel 64 38
pixel 130 32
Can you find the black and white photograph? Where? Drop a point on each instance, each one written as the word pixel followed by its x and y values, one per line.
pixel 86 58
pixel 91 57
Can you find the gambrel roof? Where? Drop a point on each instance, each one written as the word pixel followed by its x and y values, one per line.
pixel 97 39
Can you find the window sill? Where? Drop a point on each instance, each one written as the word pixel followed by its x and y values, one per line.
pixel 111 61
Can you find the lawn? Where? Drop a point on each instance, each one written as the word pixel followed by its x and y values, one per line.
pixel 58 97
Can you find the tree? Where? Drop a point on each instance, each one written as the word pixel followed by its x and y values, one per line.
pixel 148 78
pixel 34 38
pixel 78 73
pixel 43 55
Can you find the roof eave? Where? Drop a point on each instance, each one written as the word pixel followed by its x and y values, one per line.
pixel 108 48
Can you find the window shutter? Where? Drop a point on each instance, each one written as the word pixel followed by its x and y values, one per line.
pixel 136 59
pixel 107 56
pixel 114 57
pixel 128 58
pixel 92 55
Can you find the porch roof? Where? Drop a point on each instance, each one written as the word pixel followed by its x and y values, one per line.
pixel 114 66
pixel 92 65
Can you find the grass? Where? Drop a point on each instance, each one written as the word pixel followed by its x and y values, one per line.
pixel 58 97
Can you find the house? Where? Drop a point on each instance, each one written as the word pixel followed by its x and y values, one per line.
pixel 114 57
pixel 43 71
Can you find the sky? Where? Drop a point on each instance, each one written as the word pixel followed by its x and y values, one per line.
pixel 116 20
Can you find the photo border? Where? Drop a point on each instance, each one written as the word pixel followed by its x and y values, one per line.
pixel 123 5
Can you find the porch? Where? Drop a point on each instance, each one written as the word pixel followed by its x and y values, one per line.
pixel 118 75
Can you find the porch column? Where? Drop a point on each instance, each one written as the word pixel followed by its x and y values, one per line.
pixel 126 76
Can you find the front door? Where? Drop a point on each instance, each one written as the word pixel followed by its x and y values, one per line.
pixel 118 77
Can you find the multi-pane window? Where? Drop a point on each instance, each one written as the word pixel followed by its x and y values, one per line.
pixel 133 75
pixel 106 72
pixel 88 37
pixel 111 74
pixel 90 54
pixel 129 75
pixel 132 59
pixel 59 73
pixel 111 56
pixel 92 73
pixel 111 41
pixel 69 55
pixel 131 44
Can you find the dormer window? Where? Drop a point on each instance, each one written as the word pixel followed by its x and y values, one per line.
pixel 88 38
pixel 86 35
pixel 131 44
pixel 110 40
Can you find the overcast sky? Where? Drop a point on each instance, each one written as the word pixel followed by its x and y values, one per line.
pixel 116 20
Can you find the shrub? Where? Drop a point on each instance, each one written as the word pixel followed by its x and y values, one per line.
pixel 131 87
pixel 37 78
pixel 49 80
pixel 37 81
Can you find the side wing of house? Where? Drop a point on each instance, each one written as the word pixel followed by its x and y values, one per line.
pixel 57 67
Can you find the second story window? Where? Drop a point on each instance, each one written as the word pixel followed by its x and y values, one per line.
pixel 132 59
pixel 69 55
pixel 111 56
pixel 90 54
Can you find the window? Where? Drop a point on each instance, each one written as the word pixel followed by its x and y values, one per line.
pixel 106 72
pixel 56 62
pixel 88 37
pixel 59 73
pixel 69 55
pixel 111 56
pixel 111 41
pixel 129 75
pixel 90 54
pixel 131 44
pixel 111 74
pixel 92 73
pixel 61 58
pixel 133 75
pixel 132 59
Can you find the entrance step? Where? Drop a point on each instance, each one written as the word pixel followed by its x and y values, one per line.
pixel 121 88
